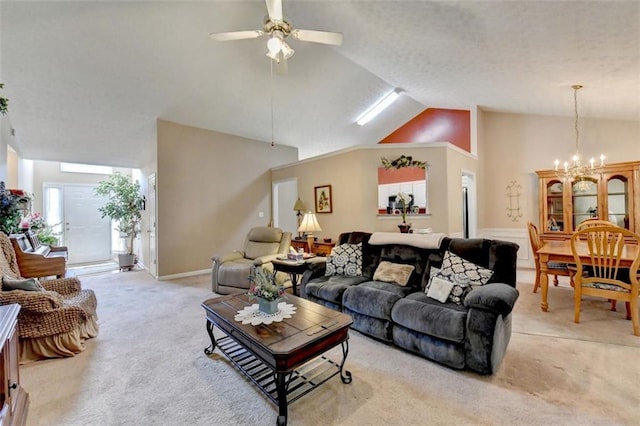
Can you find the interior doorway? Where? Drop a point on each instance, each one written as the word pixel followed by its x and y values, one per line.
pixel 151 206
pixel 285 194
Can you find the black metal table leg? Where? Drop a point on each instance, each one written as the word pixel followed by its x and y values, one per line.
pixel 346 377
pixel 209 349
pixel 294 283
pixel 281 387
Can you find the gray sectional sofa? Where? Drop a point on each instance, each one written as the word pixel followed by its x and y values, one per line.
pixel 471 331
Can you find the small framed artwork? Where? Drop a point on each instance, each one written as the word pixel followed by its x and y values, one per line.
pixel 324 203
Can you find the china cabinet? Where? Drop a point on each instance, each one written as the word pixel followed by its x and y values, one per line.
pixel 612 194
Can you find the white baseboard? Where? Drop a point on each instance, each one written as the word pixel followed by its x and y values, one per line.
pixel 184 275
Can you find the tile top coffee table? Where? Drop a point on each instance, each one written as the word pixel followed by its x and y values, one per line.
pixel 284 359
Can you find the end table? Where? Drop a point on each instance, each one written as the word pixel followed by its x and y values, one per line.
pixel 295 268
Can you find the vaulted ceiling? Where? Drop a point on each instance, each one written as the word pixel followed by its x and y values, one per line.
pixel 87 80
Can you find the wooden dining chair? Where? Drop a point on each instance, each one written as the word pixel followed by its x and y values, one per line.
pixel 604 246
pixel 600 222
pixel 593 222
pixel 554 268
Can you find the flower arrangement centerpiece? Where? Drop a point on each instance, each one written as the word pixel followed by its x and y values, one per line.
pixel 13 203
pixel 267 289
pixel 405 199
pixel 36 223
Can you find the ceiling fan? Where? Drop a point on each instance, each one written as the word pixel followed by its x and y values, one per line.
pixel 278 30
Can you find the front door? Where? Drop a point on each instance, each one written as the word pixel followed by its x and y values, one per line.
pixel 87 234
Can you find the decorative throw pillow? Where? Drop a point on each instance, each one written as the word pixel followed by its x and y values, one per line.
pixel 432 273
pixel 453 265
pixel 463 274
pixel 439 289
pixel 28 284
pixel 345 259
pixel 396 273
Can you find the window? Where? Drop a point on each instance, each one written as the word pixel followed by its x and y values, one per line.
pixel 85 168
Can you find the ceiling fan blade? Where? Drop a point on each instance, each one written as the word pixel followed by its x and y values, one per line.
pixel 324 37
pixel 274 9
pixel 236 35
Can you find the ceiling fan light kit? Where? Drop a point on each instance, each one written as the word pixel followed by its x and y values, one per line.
pixel 278 29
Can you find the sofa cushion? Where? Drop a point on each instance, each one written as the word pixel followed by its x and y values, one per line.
pixel 374 298
pixel 345 259
pixel 396 273
pixel 256 249
pixel 331 288
pixel 422 314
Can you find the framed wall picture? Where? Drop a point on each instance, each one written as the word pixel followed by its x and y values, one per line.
pixel 324 203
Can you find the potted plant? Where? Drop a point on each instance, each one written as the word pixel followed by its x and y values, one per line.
pixel 267 289
pixel 123 207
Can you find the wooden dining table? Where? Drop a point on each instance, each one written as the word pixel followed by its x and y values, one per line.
pixel 560 251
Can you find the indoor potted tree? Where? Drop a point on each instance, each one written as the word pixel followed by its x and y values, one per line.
pixel 124 207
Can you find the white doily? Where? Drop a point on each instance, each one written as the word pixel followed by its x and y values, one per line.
pixel 252 315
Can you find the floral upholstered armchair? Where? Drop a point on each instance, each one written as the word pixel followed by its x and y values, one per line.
pixel 56 316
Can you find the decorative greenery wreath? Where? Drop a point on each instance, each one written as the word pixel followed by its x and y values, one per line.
pixel 3 103
pixel 403 161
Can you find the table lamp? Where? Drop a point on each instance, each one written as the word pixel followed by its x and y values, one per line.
pixel 299 206
pixel 309 225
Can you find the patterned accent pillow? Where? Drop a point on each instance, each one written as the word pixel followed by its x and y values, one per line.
pixel 345 259
pixel 395 273
pixel 463 274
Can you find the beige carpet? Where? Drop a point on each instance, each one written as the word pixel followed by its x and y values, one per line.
pixel 147 367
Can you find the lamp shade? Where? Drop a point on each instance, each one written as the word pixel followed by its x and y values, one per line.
pixel 309 223
pixel 299 205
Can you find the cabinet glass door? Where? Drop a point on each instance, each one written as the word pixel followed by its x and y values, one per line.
pixel 618 200
pixel 585 200
pixel 555 206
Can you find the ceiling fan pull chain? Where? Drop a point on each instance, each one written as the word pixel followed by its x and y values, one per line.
pixel 271 97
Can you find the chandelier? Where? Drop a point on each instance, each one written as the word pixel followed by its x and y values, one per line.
pixel 575 170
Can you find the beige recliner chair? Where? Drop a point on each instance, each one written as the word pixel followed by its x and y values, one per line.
pixel 230 271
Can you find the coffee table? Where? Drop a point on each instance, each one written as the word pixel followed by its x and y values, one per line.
pixel 285 359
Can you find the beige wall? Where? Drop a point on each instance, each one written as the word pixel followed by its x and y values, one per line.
pixel 352 175
pixel 211 188
pixel 514 146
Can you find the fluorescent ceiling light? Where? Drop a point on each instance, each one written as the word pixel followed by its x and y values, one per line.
pixel 378 107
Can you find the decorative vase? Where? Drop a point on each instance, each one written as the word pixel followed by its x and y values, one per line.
pixel 267 306
pixel 404 227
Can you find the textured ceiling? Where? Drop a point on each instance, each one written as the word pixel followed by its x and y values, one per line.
pixel 86 80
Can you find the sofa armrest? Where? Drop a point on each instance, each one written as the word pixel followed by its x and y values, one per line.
pixel 62 285
pixel 258 261
pixel 315 270
pixel 32 301
pixel 496 297
pixel 220 259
